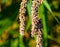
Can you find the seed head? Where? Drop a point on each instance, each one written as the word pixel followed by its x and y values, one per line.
pixel 22 11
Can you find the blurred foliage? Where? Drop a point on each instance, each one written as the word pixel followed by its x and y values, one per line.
pixel 49 12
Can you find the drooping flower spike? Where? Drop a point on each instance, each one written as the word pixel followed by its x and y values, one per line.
pixel 35 19
pixel 22 11
pixel 36 24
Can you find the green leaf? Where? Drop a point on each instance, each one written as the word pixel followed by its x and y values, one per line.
pixel 4 24
pixel 29 13
pixel 14 43
pixel 4 44
pixel 45 3
pixel 8 16
pixel 21 43
pixel 4 1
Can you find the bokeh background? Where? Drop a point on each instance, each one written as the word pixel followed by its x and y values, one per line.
pixel 49 12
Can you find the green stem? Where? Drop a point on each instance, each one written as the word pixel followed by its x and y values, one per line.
pixel 29 13
pixel 21 43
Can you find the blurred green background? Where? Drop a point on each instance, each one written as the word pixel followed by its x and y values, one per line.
pixel 49 12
